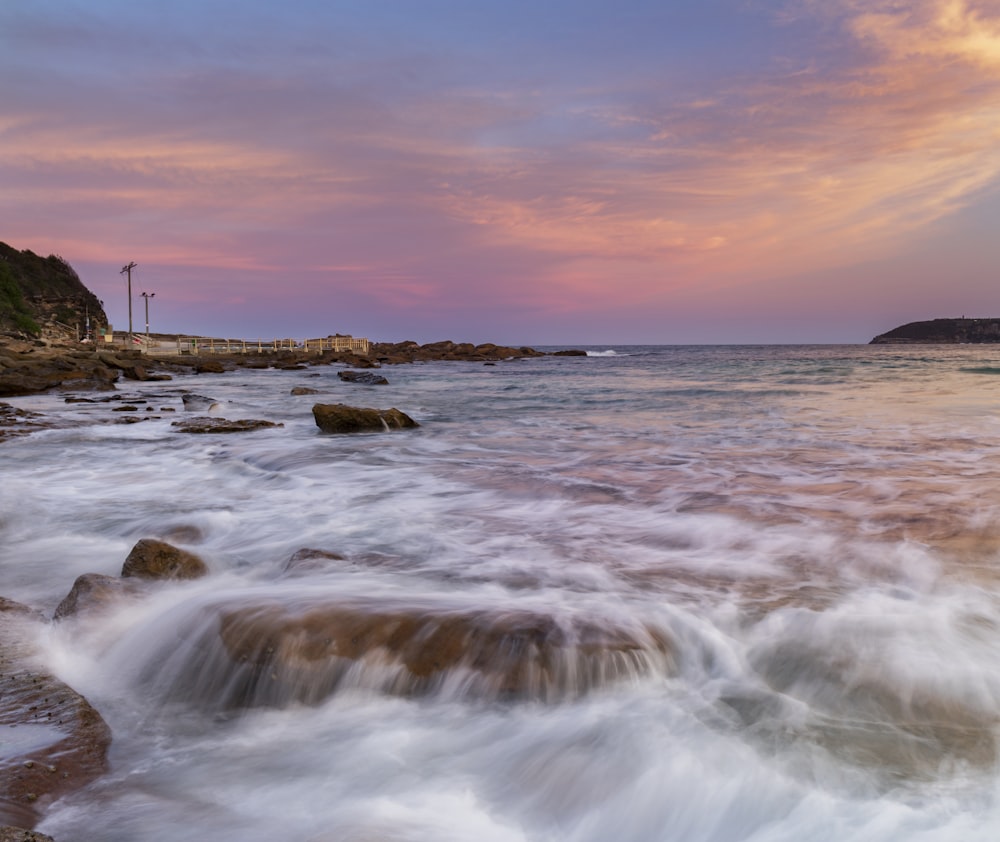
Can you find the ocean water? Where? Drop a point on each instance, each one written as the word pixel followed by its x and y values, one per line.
pixel 656 593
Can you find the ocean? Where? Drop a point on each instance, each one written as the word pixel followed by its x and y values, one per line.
pixel 703 594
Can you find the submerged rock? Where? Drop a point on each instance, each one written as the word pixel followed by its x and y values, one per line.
pixel 368 378
pixel 19 422
pixel 304 390
pixel 309 559
pixel 152 559
pixel 53 740
pixel 340 418
pixel 198 403
pixel 271 654
pixel 222 425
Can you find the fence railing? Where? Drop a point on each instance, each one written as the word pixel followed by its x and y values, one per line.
pixel 201 345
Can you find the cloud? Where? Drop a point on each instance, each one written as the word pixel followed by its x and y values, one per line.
pixel 429 176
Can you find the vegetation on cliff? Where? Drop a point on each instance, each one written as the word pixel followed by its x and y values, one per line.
pixel 942 332
pixel 44 296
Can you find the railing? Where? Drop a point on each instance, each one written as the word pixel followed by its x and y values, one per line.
pixel 200 345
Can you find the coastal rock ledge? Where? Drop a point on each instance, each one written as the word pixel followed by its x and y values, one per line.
pixel 54 741
pixel 942 332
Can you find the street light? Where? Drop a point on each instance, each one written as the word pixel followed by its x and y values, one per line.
pixel 127 270
pixel 147 296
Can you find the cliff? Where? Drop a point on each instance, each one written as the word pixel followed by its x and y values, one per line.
pixel 44 297
pixel 942 332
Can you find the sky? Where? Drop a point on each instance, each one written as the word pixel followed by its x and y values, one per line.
pixel 547 172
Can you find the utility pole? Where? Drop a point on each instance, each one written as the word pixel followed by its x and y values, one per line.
pixel 127 270
pixel 147 296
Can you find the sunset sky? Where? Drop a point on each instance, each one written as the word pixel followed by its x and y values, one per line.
pixel 543 172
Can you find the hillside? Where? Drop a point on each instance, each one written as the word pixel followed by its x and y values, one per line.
pixel 44 297
pixel 942 332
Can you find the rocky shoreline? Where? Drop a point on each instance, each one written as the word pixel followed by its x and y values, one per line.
pixel 33 777
pixel 28 368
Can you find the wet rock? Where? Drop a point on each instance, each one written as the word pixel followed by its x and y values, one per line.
pixel 571 352
pixel 33 373
pixel 896 730
pixel 209 367
pixel 93 591
pixel 274 655
pixel 54 741
pixel 368 378
pixel 152 559
pixel 131 366
pixel 340 418
pixel 409 351
pixel 222 425
pixel 19 834
pixel 19 422
pixel 198 403
pixel 308 559
pixel 304 390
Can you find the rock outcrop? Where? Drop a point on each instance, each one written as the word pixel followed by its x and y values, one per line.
pixel 93 591
pixel 41 370
pixel 44 297
pixel 942 332
pixel 153 559
pixel 367 378
pixel 222 425
pixel 408 352
pixel 243 655
pixel 54 741
pixel 340 418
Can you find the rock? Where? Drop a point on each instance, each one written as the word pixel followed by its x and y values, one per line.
pixel 270 654
pixel 54 741
pixel 409 351
pixel 198 403
pixel 308 559
pixel 339 418
pixel 369 378
pixel 131 369
pixel 19 422
pixel 304 390
pixel 33 373
pixel 222 425
pixel 19 834
pixel 572 352
pixel 209 367
pixel 93 591
pixel 152 559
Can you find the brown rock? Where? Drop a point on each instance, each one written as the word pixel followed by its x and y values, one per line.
pixel 304 390
pixel 152 559
pixel 222 425
pixel 339 418
pixel 518 655
pixel 54 741
pixel 308 559
pixel 209 367
pixel 92 591
pixel 19 834
pixel 32 373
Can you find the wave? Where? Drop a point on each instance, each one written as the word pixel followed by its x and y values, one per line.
pixel 608 353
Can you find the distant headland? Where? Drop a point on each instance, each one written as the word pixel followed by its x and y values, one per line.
pixel 942 332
